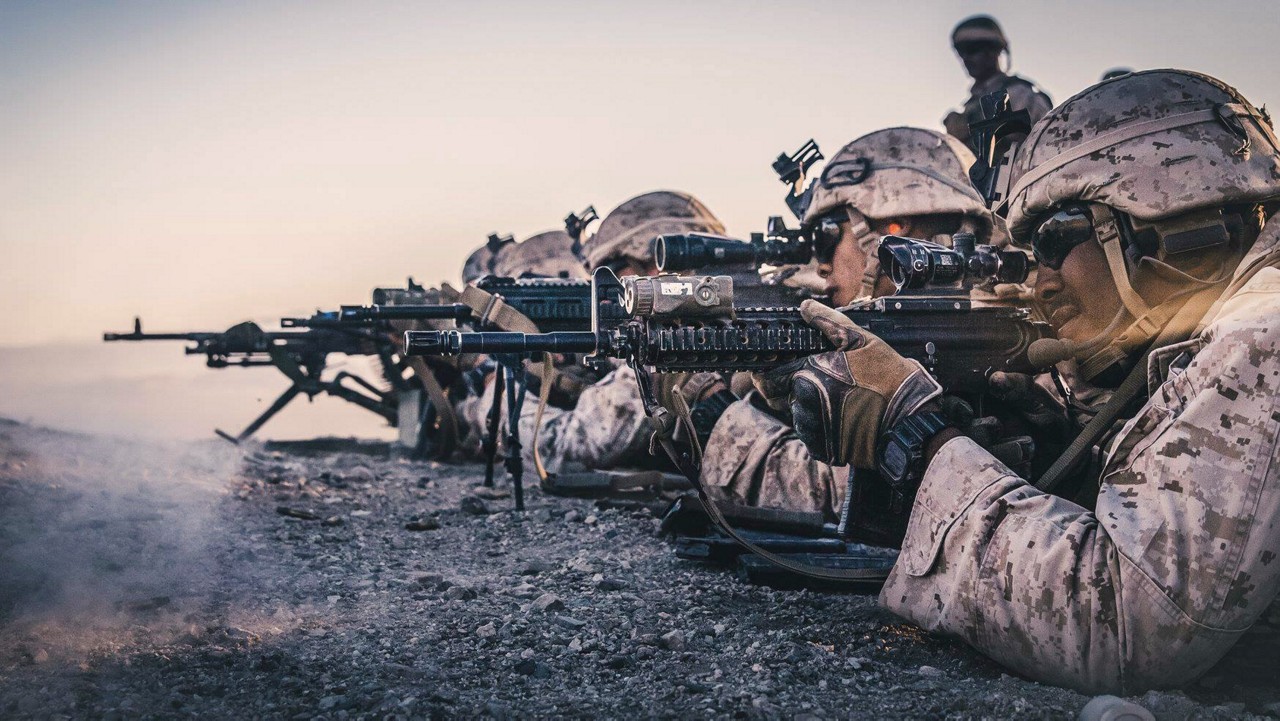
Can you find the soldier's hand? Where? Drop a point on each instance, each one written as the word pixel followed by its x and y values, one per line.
pixel 842 400
pixel 1033 403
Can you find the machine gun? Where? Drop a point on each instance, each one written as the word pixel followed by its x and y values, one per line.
pixel 300 355
pixel 552 304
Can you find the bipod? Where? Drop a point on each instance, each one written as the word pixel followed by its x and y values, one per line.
pixel 306 379
pixel 517 388
pixel 490 447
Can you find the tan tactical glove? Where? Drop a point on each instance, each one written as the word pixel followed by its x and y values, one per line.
pixel 841 401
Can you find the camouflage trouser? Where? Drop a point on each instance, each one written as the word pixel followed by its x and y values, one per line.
pixel 755 459
pixel 1176 562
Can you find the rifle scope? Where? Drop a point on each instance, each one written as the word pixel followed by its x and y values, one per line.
pixel 918 264
pixel 693 251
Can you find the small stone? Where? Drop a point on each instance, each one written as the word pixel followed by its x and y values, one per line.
pixel 644 653
pixel 422 524
pixel 572 517
pixel 298 513
pixel 361 514
pixel 492 494
pixel 542 515
pixel 618 662
pixel 547 602
pixel 610 584
pixel 360 474
pixel 930 671
pixel 333 521
pixel 460 593
pixel 719 629
pixel 526 667
pixel 590 520
pixel 570 622
pixel 536 566
pixel 487 631
pixel 475 506
pixel 40 656
pixel 581 565
pixel 673 641
pixel 425 482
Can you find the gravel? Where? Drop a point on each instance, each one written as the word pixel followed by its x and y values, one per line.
pixel 150 580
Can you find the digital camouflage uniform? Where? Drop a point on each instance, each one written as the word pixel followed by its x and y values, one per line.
pixel 1179 556
pixel 756 459
pixel 608 426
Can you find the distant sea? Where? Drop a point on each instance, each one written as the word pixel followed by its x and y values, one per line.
pixel 153 390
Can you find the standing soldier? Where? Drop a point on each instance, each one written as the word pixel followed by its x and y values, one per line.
pixel 980 43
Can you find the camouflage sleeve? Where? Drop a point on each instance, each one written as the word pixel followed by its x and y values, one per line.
pixel 757 460
pixel 1178 559
pixel 607 427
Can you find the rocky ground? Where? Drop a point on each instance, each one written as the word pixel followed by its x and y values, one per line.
pixel 335 581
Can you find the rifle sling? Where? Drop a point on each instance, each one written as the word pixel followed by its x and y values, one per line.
pixel 1184 322
pixel 491 310
pixel 444 409
pixel 686 465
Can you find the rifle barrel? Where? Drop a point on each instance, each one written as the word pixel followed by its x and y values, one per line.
pixel 448 311
pixel 452 342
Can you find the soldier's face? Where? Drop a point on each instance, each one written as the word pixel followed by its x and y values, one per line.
pixel 1079 299
pixel 981 60
pixel 845 268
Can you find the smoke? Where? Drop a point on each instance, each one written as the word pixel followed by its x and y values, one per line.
pixel 102 536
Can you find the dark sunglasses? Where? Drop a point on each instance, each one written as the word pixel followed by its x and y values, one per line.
pixel 963 49
pixel 825 234
pixel 1055 237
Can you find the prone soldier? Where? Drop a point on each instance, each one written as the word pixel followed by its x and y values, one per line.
pixel 898 181
pixel 1164 271
pixel 608 427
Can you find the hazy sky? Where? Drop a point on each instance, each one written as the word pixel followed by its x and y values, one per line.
pixel 199 164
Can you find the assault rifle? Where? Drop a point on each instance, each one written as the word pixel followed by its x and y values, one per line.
pixel 301 356
pixel 692 323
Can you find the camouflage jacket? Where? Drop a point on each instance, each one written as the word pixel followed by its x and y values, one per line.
pixel 607 428
pixel 1177 560
pixel 754 459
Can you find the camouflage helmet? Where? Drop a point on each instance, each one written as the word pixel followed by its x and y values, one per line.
pixel 899 173
pixel 1152 144
pixel 979 29
pixel 1160 150
pixel 546 255
pixel 483 260
pixel 627 232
